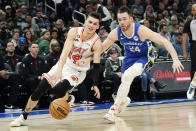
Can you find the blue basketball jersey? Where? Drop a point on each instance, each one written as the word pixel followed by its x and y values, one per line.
pixel 135 50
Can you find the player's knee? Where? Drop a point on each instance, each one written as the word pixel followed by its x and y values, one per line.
pixel 131 73
pixel 40 90
pixel 61 88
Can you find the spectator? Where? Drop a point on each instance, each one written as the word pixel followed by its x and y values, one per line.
pixel 28 24
pixel 47 26
pixel 164 33
pixel 113 69
pixel 9 28
pixel 32 68
pixel 13 80
pixel 177 43
pixel 28 37
pixel 137 17
pixel 52 58
pixel 52 18
pixel 106 17
pixel 173 27
pixel 24 11
pixel 54 34
pixel 18 19
pixel 38 20
pixel 61 31
pixel 14 6
pixel 139 6
pixel 102 33
pixel 8 11
pixel 166 17
pixel 3 34
pixel 14 39
pixel 2 16
pixel 11 58
pixel 147 24
pixel 21 48
pixel 44 43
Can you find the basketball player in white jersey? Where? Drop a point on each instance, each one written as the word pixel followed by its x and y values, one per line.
pixel 82 42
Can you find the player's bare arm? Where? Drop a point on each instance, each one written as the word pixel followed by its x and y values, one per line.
pixel 112 37
pixel 155 37
pixel 66 49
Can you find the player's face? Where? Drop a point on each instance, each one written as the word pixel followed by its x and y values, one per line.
pixel 91 24
pixel 124 20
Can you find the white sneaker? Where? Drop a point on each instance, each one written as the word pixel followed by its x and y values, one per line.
pixel 71 100
pixel 111 115
pixel 191 92
pixel 124 104
pixel 20 121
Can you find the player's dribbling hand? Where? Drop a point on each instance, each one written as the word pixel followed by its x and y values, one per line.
pixel 97 93
pixel 177 66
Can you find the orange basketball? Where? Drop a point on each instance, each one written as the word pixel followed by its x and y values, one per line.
pixel 59 109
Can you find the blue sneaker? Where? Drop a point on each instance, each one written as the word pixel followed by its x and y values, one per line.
pixel 191 92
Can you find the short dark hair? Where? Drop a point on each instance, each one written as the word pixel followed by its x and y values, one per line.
pixel 95 15
pixel 32 43
pixel 161 26
pixel 124 9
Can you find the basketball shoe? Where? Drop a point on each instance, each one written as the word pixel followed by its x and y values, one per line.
pixel 191 92
pixel 71 101
pixel 115 110
pixel 20 121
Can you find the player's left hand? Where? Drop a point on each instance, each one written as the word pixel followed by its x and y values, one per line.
pixel 97 93
pixel 177 66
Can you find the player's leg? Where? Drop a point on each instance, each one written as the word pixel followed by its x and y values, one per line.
pixel 191 90
pixel 32 102
pixel 121 99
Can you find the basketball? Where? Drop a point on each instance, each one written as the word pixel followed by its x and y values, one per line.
pixel 59 109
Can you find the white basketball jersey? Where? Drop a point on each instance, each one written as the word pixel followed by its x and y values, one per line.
pixel 81 49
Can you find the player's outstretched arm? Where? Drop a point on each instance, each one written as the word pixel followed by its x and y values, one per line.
pixel 112 37
pixel 158 39
pixel 64 54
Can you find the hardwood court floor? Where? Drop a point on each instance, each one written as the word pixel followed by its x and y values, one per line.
pixel 159 117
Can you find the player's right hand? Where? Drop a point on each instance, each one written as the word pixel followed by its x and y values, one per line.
pixel 177 66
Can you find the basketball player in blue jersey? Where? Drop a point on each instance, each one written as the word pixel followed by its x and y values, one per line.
pixel 134 38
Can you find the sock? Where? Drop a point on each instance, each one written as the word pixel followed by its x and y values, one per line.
pixel 25 115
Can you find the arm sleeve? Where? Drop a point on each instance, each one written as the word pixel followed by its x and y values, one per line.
pixel 95 75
